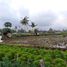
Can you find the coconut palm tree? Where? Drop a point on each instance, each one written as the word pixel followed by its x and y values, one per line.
pixel 33 27
pixel 25 21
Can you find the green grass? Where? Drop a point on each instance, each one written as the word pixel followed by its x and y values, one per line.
pixel 15 56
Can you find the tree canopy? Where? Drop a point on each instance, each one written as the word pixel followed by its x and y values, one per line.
pixel 24 21
pixel 8 24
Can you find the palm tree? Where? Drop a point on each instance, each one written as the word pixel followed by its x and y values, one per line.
pixel 8 24
pixel 34 29
pixel 33 25
pixel 24 21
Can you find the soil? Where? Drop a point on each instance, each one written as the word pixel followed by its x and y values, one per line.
pixel 38 40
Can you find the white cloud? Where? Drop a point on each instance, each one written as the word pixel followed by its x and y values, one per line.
pixel 36 6
pixel 33 8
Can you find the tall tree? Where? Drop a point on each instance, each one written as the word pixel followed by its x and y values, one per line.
pixel 25 21
pixel 33 27
pixel 7 31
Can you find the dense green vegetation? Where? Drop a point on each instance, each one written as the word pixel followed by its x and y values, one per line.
pixel 15 56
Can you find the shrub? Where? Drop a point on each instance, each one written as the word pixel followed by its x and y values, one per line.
pixel 59 62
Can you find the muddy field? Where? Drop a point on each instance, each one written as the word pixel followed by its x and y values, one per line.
pixel 44 41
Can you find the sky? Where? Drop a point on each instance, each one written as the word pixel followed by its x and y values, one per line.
pixel 45 13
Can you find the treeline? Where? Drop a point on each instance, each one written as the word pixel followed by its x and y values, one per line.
pixel 25 24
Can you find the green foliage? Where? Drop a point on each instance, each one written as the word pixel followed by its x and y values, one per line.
pixel 33 24
pixel 59 62
pixel 8 24
pixel 48 64
pixel 36 31
pixel 5 30
pixel 24 21
pixel 14 56
pixel 64 34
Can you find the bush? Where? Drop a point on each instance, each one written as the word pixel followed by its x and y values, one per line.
pixel 59 62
